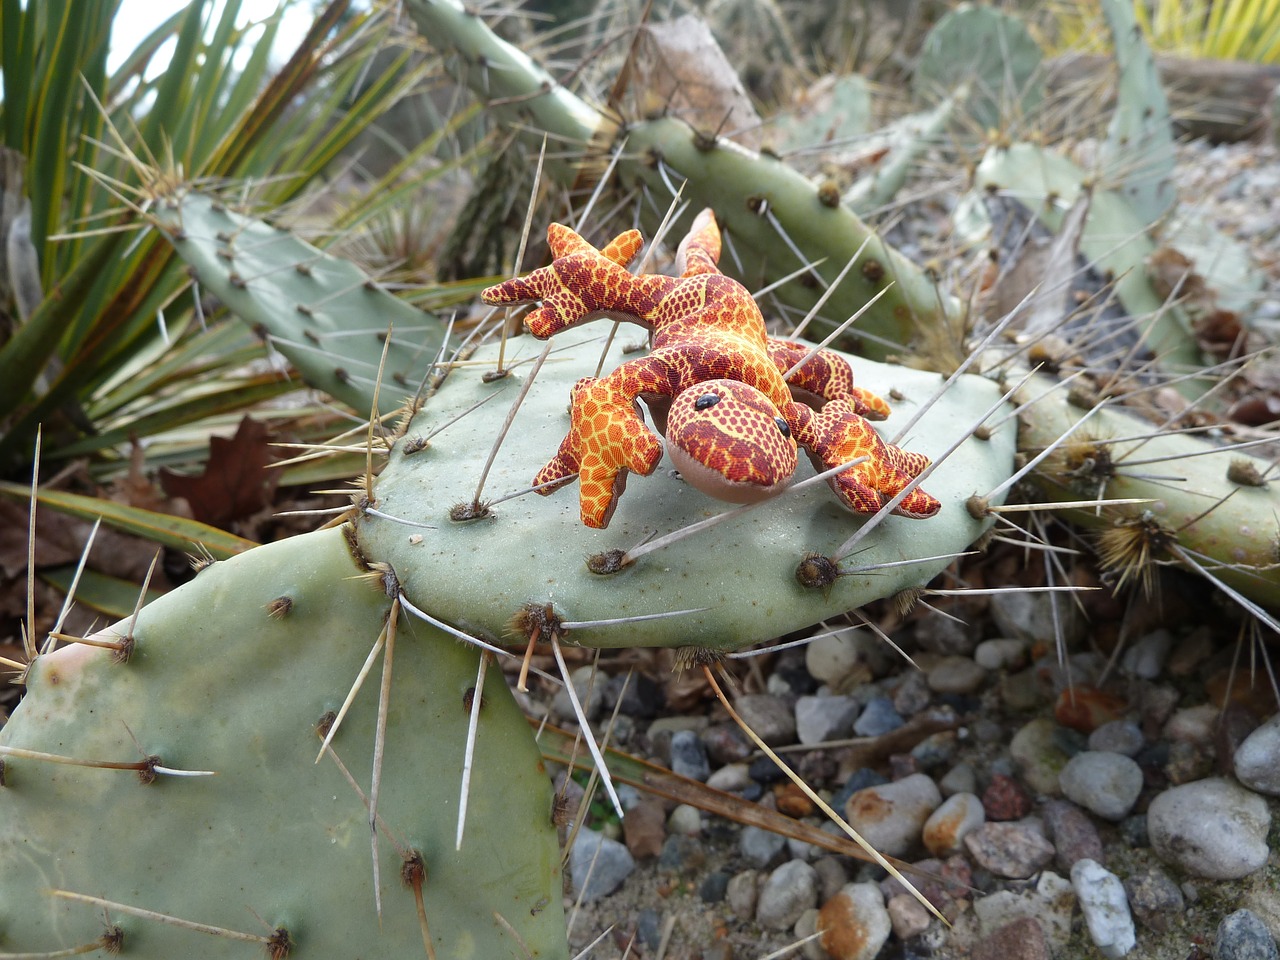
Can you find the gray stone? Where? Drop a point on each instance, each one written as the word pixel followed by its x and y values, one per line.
pixel 878 718
pixel 790 891
pixel 1105 908
pixel 1000 654
pixel 961 778
pixel 732 776
pixel 590 695
pixel 1119 736
pixel 689 756
pixel 1108 784
pixel 891 815
pixel 760 846
pixel 1242 936
pixel 1257 760
pixel 742 892
pixel 598 865
pixel 769 717
pixel 1052 903
pixel 1013 850
pixel 685 820
pixel 1154 898
pixel 819 719
pixel 956 675
pixel 907 916
pixel 1146 658
pixel 1212 828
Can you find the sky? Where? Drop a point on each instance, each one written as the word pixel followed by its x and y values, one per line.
pixel 137 18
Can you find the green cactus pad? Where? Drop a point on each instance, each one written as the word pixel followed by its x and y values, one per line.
pixel 217 683
pixel 476 574
pixel 992 53
pixel 325 314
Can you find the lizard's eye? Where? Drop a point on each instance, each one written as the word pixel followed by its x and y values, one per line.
pixel 782 425
pixel 706 400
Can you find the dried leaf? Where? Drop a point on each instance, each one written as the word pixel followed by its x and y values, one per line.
pixel 236 482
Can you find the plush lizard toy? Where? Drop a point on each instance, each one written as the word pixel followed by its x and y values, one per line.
pixel 713 383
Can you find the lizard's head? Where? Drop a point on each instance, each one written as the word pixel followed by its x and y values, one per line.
pixel 728 440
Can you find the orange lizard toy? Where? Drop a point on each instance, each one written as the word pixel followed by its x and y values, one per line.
pixel 713 383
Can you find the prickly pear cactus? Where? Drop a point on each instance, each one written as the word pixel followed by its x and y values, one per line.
pixel 534 549
pixel 231 674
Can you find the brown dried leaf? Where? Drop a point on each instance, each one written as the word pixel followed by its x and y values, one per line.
pixel 236 482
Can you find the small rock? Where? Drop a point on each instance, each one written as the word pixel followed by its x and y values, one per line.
pixel 890 816
pixel 598 865
pixel 1118 736
pixel 1188 762
pixel 1073 834
pixel 934 750
pixel 912 694
pixel 1107 784
pixel 946 827
pixel 805 927
pixel 1052 903
pixel 819 719
pixel 1212 828
pixel 1147 656
pixel 1023 690
pixel 726 743
pixel 790 891
pixel 729 778
pixel 792 801
pixel 1030 616
pixel 713 886
pixel 961 778
pixel 682 855
pixel 642 697
pixel 769 717
pixel 834 658
pixel 1013 850
pixel 1257 761
pixel 1005 799
pixel 854 923
pixel 1105 908
pixel 760 846
pixel 689 756
pixel 832 877
pixel 956 675
pixel 590 691
pixel 1242 936
pixel 685 820
pixel 1235 724
pixel 742 892
pixel 877 718
pixel 907 916
pixel 1000 654
pixel 649 927
pixel 1154 899
pixel 1038 758
pixel 1021 939
pixel 1192 724
pixel 645 828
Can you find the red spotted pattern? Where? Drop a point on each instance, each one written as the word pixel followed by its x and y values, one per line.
pixel 705 326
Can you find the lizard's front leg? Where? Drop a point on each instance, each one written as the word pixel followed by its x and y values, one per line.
pixel 836 435
pixel 607 437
